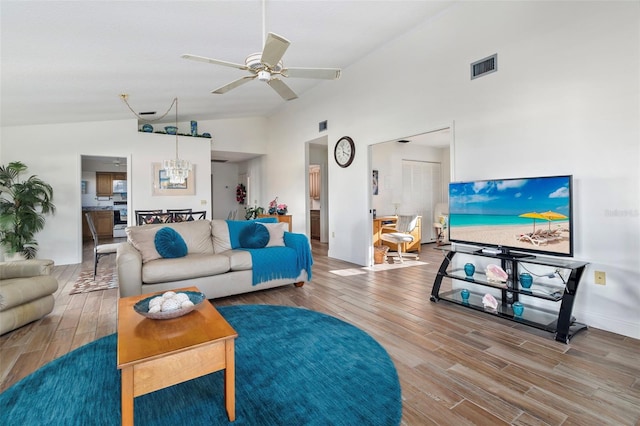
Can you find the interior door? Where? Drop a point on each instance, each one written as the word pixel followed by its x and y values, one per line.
pixel 421 190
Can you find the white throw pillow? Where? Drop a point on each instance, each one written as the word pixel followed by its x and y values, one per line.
pixel 276 233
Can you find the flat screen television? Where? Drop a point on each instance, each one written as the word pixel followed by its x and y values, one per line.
pixel 530 215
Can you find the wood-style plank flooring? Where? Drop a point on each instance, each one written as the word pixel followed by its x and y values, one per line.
pixel 456 366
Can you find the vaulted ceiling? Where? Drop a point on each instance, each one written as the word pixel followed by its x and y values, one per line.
pixel 69 61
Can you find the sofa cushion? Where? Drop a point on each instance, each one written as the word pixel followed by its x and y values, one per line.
pixel 169 243
pixel 234 227
pixel 196 234
pixel 254 236
pixel 276 233
pixel 239 260
pixel 184 268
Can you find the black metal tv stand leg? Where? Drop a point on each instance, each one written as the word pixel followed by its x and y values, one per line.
pixel 566 327
pixel 441 272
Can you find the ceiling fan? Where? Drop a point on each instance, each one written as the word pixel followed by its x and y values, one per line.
pixel 267 66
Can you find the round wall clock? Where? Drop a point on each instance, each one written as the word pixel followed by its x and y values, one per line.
pixel 344 151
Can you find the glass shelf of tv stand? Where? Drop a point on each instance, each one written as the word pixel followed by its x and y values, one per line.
pixel 531 316
pixel 533 259
pixel 538 290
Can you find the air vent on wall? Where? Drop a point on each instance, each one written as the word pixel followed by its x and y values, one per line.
pixel 484 66
pixel 322 126
pixel 218 161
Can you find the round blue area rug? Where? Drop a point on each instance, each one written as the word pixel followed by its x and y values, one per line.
pixel 293 367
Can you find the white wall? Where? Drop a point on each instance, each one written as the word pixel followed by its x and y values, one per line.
pixel 564 100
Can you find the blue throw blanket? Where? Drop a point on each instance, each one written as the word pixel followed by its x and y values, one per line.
pixel 271 263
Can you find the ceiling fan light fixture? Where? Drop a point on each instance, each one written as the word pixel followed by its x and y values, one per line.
pixel 264 75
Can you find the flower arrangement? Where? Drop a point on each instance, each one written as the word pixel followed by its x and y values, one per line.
pixel 241 193
pixel 274 207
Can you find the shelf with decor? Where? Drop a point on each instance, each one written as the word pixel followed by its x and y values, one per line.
pixel 158 132
pixel 518 287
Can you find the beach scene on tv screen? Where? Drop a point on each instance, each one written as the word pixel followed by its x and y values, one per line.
pixel 531 213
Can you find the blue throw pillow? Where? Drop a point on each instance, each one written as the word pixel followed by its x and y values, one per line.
pixel 253 236
pixel 235 226
pixel 169 243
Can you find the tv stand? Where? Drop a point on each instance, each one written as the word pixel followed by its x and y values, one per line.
pixel 561 323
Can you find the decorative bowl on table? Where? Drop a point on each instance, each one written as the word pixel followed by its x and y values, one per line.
pixel 143 306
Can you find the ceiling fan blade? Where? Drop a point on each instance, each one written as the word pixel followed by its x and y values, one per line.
pixel 321 73
pixel 283 90
pixel 214 61
pixel 233 84
pixel 274 49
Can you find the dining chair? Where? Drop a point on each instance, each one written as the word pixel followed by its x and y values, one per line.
pixel 99 250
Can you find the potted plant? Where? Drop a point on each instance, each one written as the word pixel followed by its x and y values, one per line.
pixel 23 206
pixel 253 212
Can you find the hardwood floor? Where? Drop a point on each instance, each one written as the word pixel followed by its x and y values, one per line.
pixel 456 366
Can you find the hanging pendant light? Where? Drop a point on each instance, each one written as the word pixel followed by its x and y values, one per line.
pixel 177 170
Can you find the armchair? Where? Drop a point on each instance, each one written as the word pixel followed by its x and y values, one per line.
pixel 26 292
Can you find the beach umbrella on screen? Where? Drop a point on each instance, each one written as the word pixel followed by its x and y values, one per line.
pixel 549 215
pixel 534 216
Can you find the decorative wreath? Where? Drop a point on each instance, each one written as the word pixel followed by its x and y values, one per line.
pixel 241 193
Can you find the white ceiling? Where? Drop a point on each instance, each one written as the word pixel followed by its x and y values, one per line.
pixel 69 61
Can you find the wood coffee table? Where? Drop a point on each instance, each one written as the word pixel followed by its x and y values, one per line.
pixel 155 354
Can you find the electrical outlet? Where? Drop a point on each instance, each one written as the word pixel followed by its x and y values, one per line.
pixel 600 277
pixel 203 202
pixel 333 235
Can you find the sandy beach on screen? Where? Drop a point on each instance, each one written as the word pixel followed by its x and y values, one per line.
pixel 508 235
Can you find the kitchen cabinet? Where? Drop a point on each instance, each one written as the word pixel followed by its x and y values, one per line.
pixel 314 217
pixel 103 221
pixel 314 182
pixel 104 182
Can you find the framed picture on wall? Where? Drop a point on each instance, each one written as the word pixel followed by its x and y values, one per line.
pixel 162 186
pixel 375 182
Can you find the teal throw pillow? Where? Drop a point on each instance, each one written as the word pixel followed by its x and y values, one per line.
pixel 236 226
pixel 169 243
pixel 253 236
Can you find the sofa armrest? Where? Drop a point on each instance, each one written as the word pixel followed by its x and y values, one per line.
pixel 129 267
pixel 25 268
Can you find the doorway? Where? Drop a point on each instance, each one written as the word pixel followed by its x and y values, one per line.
pixel 413 174
pixel 104 189
pixel 317 190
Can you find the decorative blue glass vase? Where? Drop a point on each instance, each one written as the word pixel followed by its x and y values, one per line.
pixel 469 269
pixel 518 309
pixel 526 280
pixel 272 210
pixel 464 293
pixel 194 128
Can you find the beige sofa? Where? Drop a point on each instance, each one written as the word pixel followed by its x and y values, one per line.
pixel 26 292
pixel 214 263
